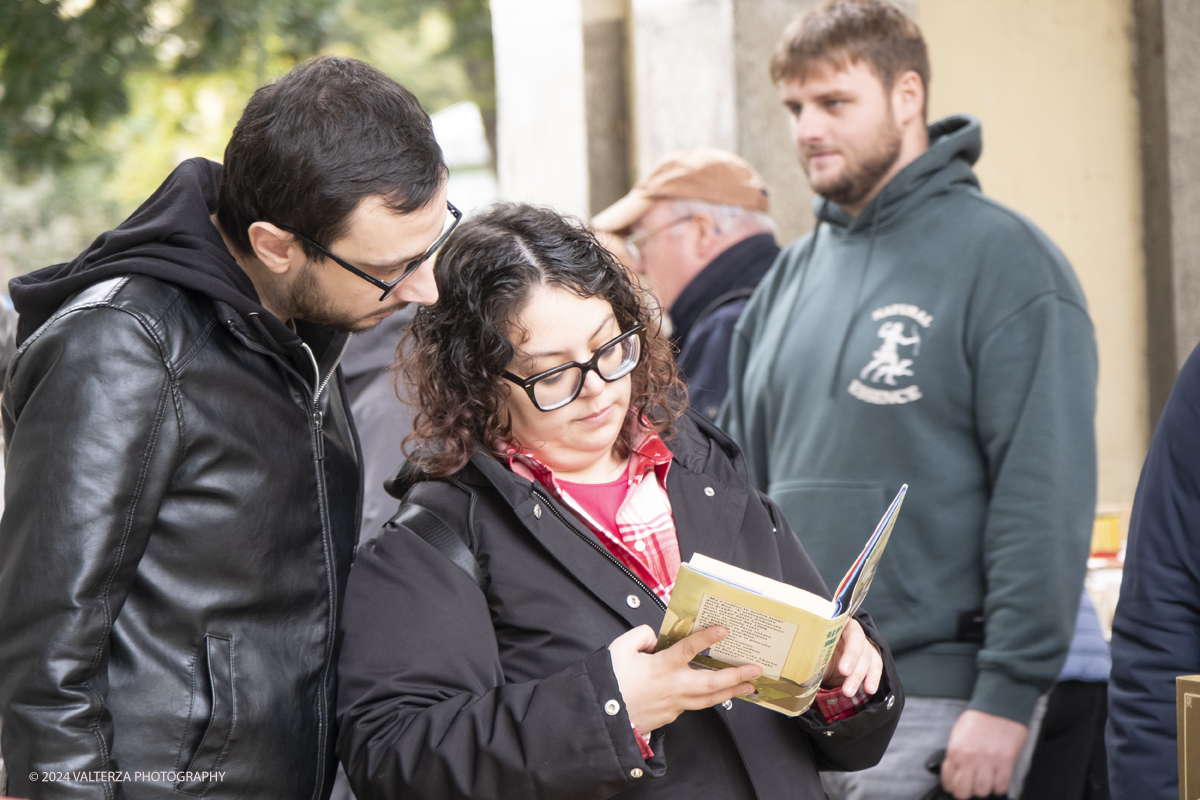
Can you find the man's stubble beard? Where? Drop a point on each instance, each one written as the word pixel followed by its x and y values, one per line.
pixel 308 302
pixel 856 181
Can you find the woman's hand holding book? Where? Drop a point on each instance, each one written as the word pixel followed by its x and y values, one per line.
pixel 658 687
pixel 856 662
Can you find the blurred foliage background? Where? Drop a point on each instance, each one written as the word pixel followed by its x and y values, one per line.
pixel 100 99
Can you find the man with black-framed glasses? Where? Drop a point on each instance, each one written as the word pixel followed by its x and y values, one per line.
pixel 183 473
pixel 401 270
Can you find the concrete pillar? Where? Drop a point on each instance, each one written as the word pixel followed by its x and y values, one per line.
pixel 700 77
pixel 1168 60
pixel 562 107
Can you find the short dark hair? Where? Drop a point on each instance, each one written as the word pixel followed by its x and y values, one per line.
pixel 841 32
pixel 454 353
pixel 315 143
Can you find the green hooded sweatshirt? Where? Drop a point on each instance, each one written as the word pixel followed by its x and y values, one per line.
pixel 941 340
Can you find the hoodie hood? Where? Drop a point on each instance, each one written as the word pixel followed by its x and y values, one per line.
pixel 955 144
pixel 170 237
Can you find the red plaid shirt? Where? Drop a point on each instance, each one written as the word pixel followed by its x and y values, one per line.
pixel 645 539
pixel 834 705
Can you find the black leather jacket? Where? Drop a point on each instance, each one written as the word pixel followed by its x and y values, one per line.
pixel 181 508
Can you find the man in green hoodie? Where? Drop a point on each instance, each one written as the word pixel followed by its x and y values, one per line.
pixel 922 334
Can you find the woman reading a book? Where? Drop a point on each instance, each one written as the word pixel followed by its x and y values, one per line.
pixel 499 633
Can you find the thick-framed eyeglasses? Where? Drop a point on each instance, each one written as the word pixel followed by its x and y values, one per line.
pixel 559 386
pixel 389 286
pixel 635 241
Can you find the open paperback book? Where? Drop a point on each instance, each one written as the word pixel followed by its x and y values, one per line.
pixel 787 631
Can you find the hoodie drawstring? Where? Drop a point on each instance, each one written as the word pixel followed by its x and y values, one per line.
pixel 806 257
pixel 862 281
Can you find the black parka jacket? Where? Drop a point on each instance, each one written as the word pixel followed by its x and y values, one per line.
pixel 181 508
pixel 449 691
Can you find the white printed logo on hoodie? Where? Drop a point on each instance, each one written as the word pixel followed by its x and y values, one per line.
pixel 893 362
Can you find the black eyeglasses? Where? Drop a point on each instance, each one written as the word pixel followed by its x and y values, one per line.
pixel 387 286
pixel 557 387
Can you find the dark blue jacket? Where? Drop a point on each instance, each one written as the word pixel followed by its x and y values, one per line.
pixel 1156 631
pixel 706 312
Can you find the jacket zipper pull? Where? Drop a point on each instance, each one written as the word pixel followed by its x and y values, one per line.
pixel 318 421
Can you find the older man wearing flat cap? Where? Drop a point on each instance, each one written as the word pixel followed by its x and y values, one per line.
pixel 698 230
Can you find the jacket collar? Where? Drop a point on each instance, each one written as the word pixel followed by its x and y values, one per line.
pixel 708 489
pixel 648 452
pixel 740 265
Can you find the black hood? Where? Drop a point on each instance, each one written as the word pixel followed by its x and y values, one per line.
pixel 170 237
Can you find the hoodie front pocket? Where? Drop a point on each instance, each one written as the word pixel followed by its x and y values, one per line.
pixel 833 519
pixel 215 703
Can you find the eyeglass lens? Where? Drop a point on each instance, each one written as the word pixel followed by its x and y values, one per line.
pixel 613 362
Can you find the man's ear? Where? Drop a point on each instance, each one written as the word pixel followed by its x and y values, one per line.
pixel 277 249
pixel 707 233
pixel 908 99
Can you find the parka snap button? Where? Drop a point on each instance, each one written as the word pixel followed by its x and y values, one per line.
pixel 612 707
pixel 639 545
pixel 633 601
pixel 636 772
pixel 708 490
pixel 727 705
pixel 537 511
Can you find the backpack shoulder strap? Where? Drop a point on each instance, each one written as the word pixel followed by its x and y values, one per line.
pixel 736 294
pixel 456 543
pixel 430 527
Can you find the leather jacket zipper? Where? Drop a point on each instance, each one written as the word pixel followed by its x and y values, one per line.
pixel 317 416
pixel 599 548
pixel 318 419
pixel 323 501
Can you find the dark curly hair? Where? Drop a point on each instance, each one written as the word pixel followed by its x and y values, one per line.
pixel 452 357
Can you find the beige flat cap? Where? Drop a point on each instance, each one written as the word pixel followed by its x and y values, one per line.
pixel 701 173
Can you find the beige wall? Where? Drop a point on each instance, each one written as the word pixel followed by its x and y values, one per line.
pixel 1053 83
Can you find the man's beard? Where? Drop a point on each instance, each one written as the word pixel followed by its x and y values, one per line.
pixel 857 180
pixel 308 302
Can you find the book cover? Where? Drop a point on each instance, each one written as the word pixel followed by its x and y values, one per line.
pixel 790 633
pixel 1187 709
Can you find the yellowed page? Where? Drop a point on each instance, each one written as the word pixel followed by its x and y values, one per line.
pixel 791 672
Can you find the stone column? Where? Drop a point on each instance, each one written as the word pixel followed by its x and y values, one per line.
pixel 561 96
pixel 700 77
pixel 1168 61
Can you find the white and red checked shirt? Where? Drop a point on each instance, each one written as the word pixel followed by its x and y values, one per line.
pixel 645 540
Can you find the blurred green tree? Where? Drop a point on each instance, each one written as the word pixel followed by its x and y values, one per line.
pixel 65 64
pixel 99 99
pixel 469 43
